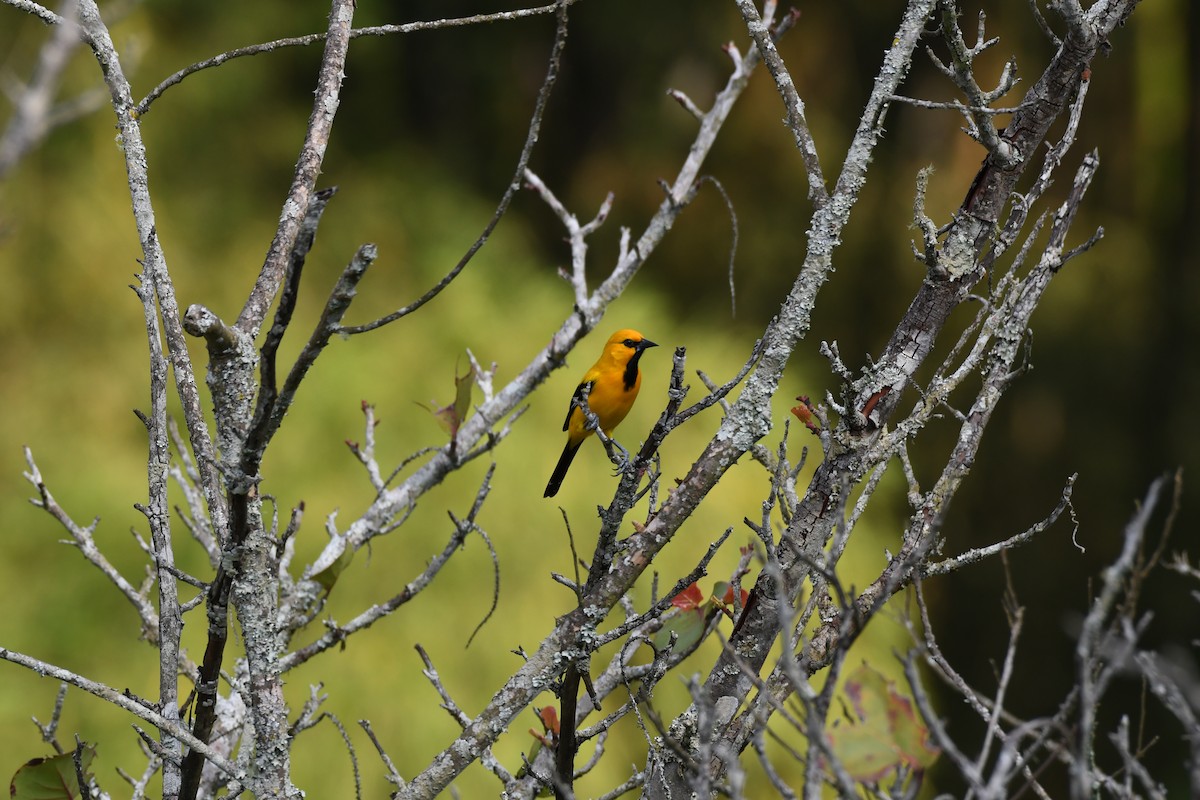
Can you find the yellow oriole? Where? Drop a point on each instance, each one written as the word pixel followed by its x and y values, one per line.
pixel 613 381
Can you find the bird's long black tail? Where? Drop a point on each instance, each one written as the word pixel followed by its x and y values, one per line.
pixel 564 461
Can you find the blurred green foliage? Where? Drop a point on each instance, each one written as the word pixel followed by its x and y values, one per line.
pixel 426 138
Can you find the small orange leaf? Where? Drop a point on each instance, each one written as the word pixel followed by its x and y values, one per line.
pixel 874 400
pixel 727 598
pixel 725 591
pixel 549 717
pixel 805 413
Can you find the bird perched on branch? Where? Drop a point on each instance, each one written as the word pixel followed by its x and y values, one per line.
pixel 612 385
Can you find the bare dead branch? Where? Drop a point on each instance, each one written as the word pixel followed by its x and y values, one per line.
pixel 797 121
pixel 49 730
pixel 143 106
pixel 1089 648
pixel 41 12
pixel 699 752
pixel 962 71
pixel 336 307
pixel 308 167
pixel 448 704
pixel 170 614
pixel 35 112
pixel 268 392
pixel 469 525
pixel 576 234
pixel 977 554
pixel 748 421
pixel 97 36
pixel 123 701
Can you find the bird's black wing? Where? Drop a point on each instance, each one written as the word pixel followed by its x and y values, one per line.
pixel 576 400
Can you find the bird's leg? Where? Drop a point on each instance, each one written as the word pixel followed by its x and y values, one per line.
pixel 622 460
pixel 592 423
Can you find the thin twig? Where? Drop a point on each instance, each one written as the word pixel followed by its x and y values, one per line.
pixel 82 538
pixel 339 633
pixel 531 137
pixel 393 775
pixel 303 41
pixel 41 12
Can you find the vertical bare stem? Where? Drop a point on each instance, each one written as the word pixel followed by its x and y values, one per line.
pixel 170 618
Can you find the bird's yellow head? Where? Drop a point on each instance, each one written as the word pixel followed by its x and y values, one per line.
pixel 624 350
pixel 626 344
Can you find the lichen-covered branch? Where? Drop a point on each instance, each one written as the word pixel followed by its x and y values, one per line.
pixel 82 538
pixel 158 514
pixel 126 702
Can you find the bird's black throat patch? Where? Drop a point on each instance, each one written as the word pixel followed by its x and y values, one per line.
pixel 631 370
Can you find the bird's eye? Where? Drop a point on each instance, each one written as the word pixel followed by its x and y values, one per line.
pixel 629 343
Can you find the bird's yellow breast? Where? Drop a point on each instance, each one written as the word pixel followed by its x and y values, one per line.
pixel 609 400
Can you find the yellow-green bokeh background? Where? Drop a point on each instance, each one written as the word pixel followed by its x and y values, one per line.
pixel 427 136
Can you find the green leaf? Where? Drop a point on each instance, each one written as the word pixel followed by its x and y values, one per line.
pixel 328 576
pixel 534 749
pixel 687 624
pixel 451 417
pixel 50 778
pixel 882 732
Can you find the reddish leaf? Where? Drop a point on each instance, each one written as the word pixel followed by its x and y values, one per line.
pixel 725 590
pixel 689 598
pixel 549 720
pixel 912 737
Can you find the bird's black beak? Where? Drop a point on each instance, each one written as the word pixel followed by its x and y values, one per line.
pixel 645 344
